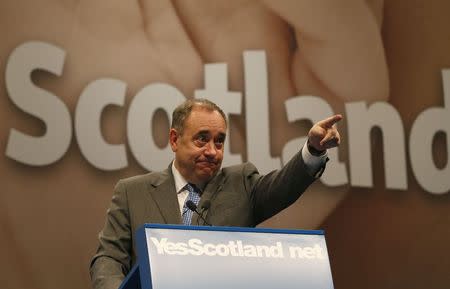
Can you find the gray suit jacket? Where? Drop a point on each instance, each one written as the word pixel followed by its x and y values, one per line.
pixel 238 195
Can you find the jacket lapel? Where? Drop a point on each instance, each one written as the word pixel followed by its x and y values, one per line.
pixel 209 193
pixel 165 196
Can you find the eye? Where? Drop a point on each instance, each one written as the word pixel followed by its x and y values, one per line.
pixel 219 142
pixel 201 139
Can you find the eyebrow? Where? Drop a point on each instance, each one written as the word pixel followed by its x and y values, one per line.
pixel 205 131
pixel 223 135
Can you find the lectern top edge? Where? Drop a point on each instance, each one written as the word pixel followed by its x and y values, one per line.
pixel 233 229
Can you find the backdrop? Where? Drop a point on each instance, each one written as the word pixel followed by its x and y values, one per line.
pixel 87 88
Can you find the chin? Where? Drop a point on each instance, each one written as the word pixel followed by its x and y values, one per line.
pixel 204 177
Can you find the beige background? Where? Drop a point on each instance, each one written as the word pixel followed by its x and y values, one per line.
pixel 377 238
pixel 400 239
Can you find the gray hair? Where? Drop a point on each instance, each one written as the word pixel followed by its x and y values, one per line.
pixel 182 112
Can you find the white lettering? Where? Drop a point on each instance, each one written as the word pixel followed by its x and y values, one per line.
pixel 360 121
pixel 196 247
pixel 94 98
pixel 257 112
pixel 160 244
pixel 361 118
pixel 306 252
pixel 427 124
pixel 139 123
pixel 50 147
pixel 314 109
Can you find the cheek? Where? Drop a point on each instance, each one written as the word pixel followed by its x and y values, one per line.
pixel 220 155
pixel 196 152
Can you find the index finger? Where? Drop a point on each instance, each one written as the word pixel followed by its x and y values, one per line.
pixel 329 122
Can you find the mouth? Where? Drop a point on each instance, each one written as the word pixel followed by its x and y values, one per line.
pixel 206 163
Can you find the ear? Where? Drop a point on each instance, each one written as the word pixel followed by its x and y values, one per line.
pixel 173 138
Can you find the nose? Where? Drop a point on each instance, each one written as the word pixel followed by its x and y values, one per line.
pixel 210 149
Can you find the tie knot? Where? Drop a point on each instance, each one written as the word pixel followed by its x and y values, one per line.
pixel 192 188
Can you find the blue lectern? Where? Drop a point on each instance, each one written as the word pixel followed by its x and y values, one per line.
pixel 183 257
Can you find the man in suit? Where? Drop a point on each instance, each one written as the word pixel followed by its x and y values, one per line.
pixel 232 196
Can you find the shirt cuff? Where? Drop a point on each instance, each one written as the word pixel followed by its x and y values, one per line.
pixel 314 164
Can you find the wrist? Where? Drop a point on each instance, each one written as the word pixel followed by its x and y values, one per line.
pixel 314 151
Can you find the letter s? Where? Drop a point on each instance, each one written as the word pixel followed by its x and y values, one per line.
pixel 196 247
pixel 50 147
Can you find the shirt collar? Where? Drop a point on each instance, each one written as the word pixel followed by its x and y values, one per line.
pixel 180 181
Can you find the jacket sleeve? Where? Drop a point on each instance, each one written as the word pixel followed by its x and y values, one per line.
pixel 277 190
pixel 112 260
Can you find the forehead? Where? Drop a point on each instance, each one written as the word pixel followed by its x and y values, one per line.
pixel 202 119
